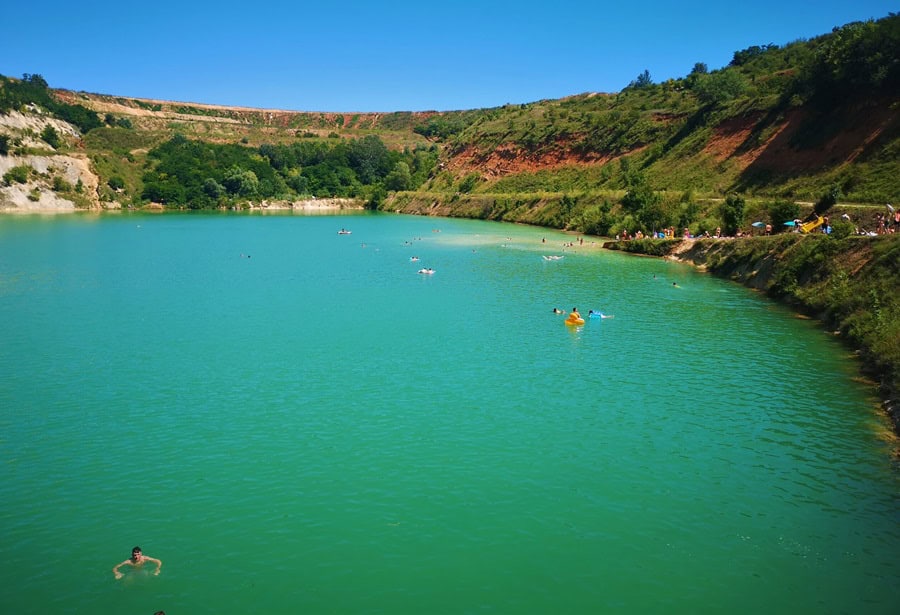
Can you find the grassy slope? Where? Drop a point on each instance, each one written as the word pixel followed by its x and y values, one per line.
pixel 770 138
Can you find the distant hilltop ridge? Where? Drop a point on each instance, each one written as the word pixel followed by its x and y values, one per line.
pixel 281 118
pixel 798 123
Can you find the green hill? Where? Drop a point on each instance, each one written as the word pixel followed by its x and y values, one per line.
pixel 814 119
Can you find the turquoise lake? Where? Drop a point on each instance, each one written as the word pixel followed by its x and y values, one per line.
pixel 296 421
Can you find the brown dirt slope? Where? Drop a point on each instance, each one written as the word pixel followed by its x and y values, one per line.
pixel 795 142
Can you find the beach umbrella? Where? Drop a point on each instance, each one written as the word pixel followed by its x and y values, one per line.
pixel 790 223
pixel 758 224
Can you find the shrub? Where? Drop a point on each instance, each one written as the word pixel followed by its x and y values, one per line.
pixel 841 229
pixel 17 175
pixel 51 137
pixel 732 212
pixel 469 182
pixel 827 201
pixel 60 184
pixel 781 212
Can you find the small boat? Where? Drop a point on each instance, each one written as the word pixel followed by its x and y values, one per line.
pixel 426 271
pixel 553 257
pixel 344 231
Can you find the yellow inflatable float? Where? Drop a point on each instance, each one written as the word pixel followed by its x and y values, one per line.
pixel 574 318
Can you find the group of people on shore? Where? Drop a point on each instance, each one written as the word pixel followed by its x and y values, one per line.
pixel 668 233
pixel 884 223
pixel 887 223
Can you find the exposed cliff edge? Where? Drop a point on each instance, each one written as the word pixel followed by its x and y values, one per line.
pixel 50 181
pixel 849 284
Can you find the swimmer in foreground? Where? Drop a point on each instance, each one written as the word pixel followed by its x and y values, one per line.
pixel 137 560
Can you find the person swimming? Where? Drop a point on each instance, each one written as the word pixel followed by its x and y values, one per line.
pixel 137 560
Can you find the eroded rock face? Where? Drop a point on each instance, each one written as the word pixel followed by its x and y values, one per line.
pixel 52 178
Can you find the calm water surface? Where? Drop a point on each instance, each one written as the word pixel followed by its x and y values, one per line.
pixel 295 421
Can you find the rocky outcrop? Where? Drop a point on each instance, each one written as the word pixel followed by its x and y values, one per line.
pixel 53 180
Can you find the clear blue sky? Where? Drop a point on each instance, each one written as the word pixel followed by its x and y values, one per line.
pixel 392 56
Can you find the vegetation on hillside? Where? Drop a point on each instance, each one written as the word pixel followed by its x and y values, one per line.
pixel 192 174
pixel 33 90
pixel 786 122
pixel 779 124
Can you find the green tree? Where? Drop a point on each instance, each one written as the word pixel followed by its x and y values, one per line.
pixel 60 184
pixel 298 183
pixel 469 182
pixel 212 188
pixel 241 182
pixel 857 57
pixel 35 80
pixel 732 212
pixel 639 194
pixel 370 158
pixel 642 81
pixel 398 179
pixel 116 183
pixel 275 154
pixel 781 212
pixel 700 68
pixel 719 87
pixel 17 175
pixel 745 55
pixel 51 137
pixel 377 198
pixel 654 215
pixel 827 201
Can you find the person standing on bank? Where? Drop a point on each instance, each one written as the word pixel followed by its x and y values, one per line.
pixel 137 560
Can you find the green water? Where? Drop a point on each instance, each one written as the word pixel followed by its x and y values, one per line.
pixel 295 421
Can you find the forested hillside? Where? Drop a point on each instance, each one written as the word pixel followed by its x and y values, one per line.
pixel 778 129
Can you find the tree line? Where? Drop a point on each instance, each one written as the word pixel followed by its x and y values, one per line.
pixel 33 89
pixel 199 175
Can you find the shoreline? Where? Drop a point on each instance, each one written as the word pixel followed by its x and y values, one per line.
pixel 761 272
pixel 305 205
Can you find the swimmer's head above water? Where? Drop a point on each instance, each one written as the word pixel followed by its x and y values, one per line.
pixel 137 560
